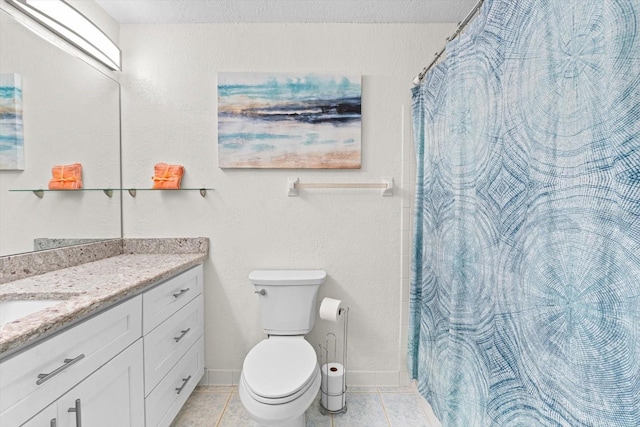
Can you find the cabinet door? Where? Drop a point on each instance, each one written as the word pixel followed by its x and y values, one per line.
pixel 165 401
pixel 46 418
pixel 31 380
pixel 112 396
pixel 168 297
pixel 170 341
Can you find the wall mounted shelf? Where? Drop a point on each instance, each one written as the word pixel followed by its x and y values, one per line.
pixel 109 191
pixel 134 191
pixel 40 192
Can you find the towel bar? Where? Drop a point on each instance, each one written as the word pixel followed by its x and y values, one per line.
pixel 386 185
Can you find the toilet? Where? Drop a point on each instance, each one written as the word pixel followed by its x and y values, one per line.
pixel 280 375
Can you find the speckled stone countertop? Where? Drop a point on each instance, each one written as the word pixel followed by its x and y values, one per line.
pixel 93 286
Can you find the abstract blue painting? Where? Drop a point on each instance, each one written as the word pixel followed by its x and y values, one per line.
pixel 11 133
pixel 289 121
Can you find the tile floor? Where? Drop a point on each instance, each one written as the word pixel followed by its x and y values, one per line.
pixel 220 406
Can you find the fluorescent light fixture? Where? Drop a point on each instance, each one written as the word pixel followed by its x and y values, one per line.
pixel 70 24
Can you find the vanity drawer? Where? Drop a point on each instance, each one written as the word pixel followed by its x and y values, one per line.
pixel 165 299
pixel 167 343
pixel 164 403
pixel 31 380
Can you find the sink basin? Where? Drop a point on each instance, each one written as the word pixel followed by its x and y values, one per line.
pixel 15 309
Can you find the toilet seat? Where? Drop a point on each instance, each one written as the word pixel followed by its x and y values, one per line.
pixel 279 369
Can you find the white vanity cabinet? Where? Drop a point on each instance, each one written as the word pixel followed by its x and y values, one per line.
pixel 132 365
pixel 37 377
pixel 173 323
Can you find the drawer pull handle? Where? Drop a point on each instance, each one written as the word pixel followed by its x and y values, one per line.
pixel 67 362
pixel 183 333
pixel 184 383
pixel 78 410
pixel 179 294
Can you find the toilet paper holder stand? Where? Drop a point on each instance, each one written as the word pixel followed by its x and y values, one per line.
pixel 324 355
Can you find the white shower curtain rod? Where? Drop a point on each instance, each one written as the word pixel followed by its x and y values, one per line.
pixel 417 79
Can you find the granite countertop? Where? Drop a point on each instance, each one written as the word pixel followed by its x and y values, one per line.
pixel 84 290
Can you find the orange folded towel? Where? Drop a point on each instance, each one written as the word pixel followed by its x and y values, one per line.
pixel 167 176
pixel 66 177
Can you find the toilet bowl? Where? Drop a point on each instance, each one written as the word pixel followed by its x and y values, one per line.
pixel 280 379
pixel 280 375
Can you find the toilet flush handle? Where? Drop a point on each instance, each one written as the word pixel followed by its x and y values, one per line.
pixel 261 292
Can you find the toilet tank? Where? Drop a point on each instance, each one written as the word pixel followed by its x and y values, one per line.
pixel 288 299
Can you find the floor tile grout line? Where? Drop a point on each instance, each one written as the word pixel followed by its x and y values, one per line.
pixel 226 404
pixel 384 408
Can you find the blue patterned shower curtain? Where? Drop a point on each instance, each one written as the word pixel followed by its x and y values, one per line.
pixel 525 298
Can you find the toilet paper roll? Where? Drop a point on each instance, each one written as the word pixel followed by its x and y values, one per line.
pixel 332 386
pixel 333 403
pixel 332 378
pixel 330 309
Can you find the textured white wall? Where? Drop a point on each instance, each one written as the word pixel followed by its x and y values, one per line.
pixel 360 238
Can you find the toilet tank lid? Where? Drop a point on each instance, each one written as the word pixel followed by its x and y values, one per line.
pixel 287 277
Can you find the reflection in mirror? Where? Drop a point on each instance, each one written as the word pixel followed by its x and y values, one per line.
pixel 71 114
pixel 73 26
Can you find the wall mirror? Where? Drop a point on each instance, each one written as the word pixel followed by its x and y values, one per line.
pixel 71 114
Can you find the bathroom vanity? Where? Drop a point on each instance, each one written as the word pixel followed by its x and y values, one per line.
pixel 121 344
